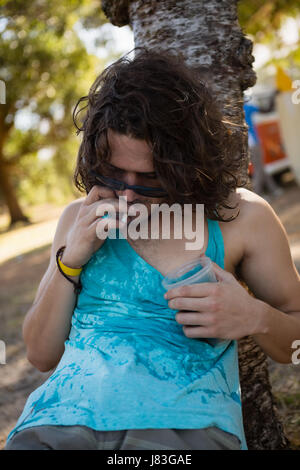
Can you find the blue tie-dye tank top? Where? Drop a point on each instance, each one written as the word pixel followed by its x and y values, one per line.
pixel 127 363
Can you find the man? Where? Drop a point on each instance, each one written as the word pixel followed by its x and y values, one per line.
pixel 135 367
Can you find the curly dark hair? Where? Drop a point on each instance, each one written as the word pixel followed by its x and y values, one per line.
pixel 156 97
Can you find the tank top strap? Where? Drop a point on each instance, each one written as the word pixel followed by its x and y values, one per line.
pixel 215 248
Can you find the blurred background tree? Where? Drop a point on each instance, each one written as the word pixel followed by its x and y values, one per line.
pixel 267 22
pixel 263 18
pixel 46 69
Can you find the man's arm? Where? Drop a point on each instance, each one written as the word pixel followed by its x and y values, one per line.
pixel 47 323
pixel 268 270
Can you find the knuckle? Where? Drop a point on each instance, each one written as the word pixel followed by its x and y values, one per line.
pixel 213 321
pixel 174 304
pixel 213 304
pixel 184 291
pixel 104 201
pixel 105 190
pixel 191 332
pixel 91 191
pixel 105 205
pixel 213 331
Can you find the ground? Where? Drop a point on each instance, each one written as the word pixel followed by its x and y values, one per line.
pixel 21 269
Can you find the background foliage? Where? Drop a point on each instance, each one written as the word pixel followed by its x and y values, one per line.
pixel 46 69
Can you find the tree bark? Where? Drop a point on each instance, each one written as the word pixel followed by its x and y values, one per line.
pixel 209 35
pixel 6 186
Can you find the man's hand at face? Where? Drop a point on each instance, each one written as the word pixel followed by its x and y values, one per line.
pixel 88 232
pixel 215 310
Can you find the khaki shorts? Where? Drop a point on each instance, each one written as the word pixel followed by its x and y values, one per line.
pixel 84 438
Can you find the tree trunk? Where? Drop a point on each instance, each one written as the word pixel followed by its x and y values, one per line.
pixel 6 186
pixel 8 191
pixel 209 36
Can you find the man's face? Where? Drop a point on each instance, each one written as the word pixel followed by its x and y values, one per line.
pixel 132 162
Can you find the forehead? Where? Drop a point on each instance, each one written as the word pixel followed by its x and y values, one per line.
pixel 128 153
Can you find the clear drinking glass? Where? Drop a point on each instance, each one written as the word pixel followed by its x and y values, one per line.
pixel 197 271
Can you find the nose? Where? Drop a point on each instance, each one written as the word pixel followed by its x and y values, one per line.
pixel 129 193
pixel 129 178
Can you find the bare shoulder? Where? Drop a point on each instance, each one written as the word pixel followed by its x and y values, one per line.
pixel 255 211
pixel 266 265
pixel 254 222
pixel 251 209
pixel 249 203
pixel 259 226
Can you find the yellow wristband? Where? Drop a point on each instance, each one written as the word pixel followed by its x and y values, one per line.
pixel 69 271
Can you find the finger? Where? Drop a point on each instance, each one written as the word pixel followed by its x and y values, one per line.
pixel 197 332
pixel 203 289
pixel 97 209
pixel 106 224
pixel 191 318
pixel 103 226
pixel 221 274
pixel 98 192
pixel 190 303
pixel 112 205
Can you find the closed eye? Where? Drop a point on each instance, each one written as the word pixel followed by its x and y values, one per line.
pixel 118 171
pixel 151 177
